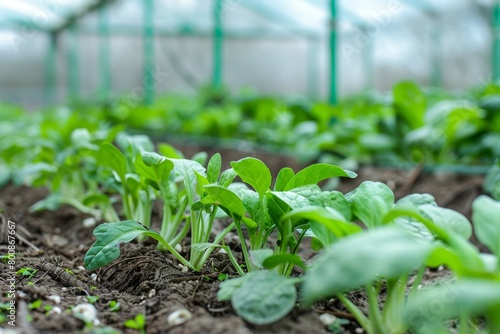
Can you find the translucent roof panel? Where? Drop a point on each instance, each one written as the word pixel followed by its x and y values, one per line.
pixel 40 14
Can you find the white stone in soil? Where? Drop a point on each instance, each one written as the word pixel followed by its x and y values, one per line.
pixel 55 298
pixel 87 312
pixel 327 319
pixel 179 317
pixel 89 222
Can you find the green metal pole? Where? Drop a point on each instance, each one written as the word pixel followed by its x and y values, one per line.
pixel 312 70
pixel 495 55
pixel 104 54
pixel 436 55
pixel 217 43
pixel 333 52
pixel 73 62
pixel 369 68
pixel 51 70
pixel 149 52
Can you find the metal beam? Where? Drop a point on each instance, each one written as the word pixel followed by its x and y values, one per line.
pixel 73 61
pixel 149 80
pixel 495 54
pixel 217 43
pixel 333 52
pixel 71 19
pixel 51 70
pixel 104 54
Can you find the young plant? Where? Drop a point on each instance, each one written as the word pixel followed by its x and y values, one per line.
pixel 180 185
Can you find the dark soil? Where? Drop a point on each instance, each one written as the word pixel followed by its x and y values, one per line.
pixel 146 281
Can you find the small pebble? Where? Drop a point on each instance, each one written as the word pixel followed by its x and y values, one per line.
pixel 89 222
pixel 55 298
pixel 178 247
pixel 327 319
pixel 152 293
pixel 222 251
pixel 86 312
pixel 55 310
pixel 94 277
pixel 359 330
pixel 178 317
pixel 82 268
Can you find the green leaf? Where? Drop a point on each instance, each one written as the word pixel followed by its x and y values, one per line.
pixel 485 215
pixel 227 177
pixel 110 156
pixel 332 199
pixel 448 219
pixel 491 184
pixel 251 202
pixel 227 199
pixel 186 169
pixel 253 172
pixel 316 173
pixel 292 199
pixel 417 200
pixel 410 103
pixel 264 297
pixel 275 260
pixel 201 182
pixel 200 157
pixel 284 176
pixel 360 259
pixel 227 288
pixel 258 256
pixel 428 310
pixel 370 202
pixel 169 151
pixel 333 220
pixel 213 168
pixel 109 236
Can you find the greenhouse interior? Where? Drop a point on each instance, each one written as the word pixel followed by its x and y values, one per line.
pixel 250 166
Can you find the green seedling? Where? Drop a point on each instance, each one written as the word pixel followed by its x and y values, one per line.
pixel 138 323
pixel 35 305
pixel 27 272
pixel 114 306
pixel 92 299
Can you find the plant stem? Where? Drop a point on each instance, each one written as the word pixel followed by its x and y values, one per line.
pixel 391 315
pixel 171 249
pixel 357 313
pixel 417 281
pixel 233 260
pixel 243 244
pixel 374 311
pixel 218 239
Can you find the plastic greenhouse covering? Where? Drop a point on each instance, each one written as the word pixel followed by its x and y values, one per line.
pixel 52 49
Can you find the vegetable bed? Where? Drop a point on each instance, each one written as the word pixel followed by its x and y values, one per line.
pixel 142 290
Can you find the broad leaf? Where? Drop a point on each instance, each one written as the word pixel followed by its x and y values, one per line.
pixel 486 218
pixel 255 173
pixel 491 184
pixel 370 202
pixel 227 199
pixel 332 199
pixel 448 219
pixel 227 177
pixel 360 259
pixel 213 168
pixel 316 173
pixel 333 220
pixel 109 237
pixel 275 260
pixel 283 178
pixel 292 199
pixel 429 309
pixel 109 156
pixel 264 297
